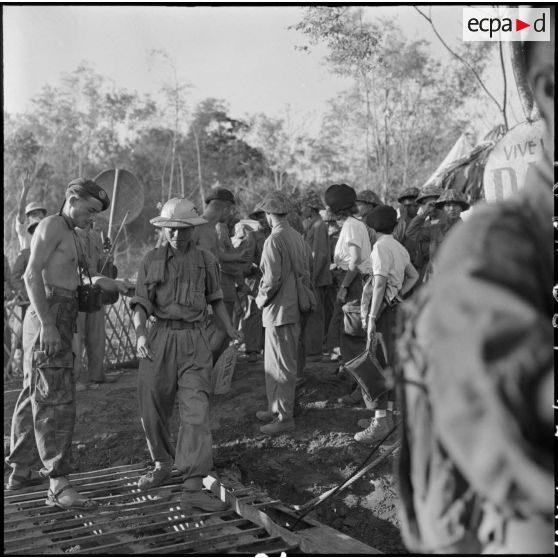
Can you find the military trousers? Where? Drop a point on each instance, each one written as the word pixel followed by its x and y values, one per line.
pixel 252 327
pixel 180 370
pixel 91 335
pixel 280 366
pixel 314 330
pixel 44 416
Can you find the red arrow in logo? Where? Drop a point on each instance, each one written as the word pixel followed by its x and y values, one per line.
pixel 519 25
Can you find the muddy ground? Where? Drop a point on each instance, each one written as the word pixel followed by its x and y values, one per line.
pixel 294 468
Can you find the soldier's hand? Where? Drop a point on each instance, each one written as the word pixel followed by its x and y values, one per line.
pixel 121 285
pixel 50 340
pixel 143 349
pixel 235 335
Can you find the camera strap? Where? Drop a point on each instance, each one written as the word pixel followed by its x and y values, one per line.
pixel 82 261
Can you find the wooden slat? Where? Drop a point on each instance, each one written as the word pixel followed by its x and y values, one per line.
pixel 318 539
pixel 129 521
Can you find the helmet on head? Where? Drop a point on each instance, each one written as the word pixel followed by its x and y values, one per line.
pixel 429 192
pixel 408 194
pixel 178 213
pixel 276 202
pixel 312 200
pixel 368 196
pixel 452 196
pixel 34 206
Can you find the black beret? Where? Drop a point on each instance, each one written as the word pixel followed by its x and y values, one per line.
pixel 220 194
pixel 90 188
pixel 382 219
pixel 340 196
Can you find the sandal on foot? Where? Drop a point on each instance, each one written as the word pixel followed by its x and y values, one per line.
pixel 82 504
pixel 16 482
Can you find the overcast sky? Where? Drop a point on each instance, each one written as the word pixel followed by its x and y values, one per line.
pixel 244 55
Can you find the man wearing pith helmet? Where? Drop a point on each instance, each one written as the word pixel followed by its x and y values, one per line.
pixel 176 282
pixel 284 252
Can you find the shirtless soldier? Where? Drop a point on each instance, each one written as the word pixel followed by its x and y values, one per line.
pixel 44 416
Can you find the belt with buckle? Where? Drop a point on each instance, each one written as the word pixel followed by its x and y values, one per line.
pixel 51 290
pixel 178 324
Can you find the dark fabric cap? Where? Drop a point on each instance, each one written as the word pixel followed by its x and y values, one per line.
pixel 90 188
pixel 340 196
pixel 257 211
pixel 408 193
pixel 382 218
pixel 220 194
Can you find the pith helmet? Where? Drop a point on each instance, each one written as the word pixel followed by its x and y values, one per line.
pixel 34 206
pixel 429 192
pixel 276 202
pixel 178 213
pixel 368 196
pixel 408 194
pixel 452 196
pixel 312 200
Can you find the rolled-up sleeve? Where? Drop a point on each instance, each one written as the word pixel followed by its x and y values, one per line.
pixel 142 294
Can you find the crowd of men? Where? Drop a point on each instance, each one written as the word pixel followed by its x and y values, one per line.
pixel 197 289
pixel 324 277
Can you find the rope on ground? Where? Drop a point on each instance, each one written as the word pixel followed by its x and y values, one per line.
pixel 362 469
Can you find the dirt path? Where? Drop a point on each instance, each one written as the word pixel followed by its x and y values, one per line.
pixel 294 468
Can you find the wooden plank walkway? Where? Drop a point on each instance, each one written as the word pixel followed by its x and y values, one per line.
pixel 129 521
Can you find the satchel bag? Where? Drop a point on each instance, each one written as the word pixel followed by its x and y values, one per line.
pixel 368 368
pixel 307 300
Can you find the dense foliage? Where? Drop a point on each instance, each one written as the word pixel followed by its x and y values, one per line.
pixel 388 131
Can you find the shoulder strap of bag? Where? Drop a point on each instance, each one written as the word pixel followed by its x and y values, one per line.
pixel 82 261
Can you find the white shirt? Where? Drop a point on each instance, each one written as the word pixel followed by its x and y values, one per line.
pixel 389 259
pixel 353 232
